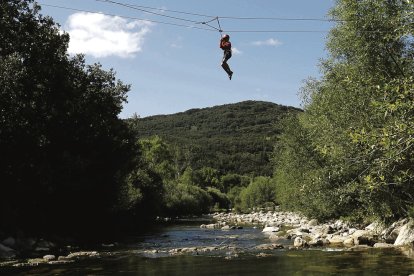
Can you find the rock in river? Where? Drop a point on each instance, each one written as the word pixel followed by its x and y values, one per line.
pixel 49 257
pixel 82 254
pixel 299 242
pixel 383 245
pixel 270 229
pixel 406 235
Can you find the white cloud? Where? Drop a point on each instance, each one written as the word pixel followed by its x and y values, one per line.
pixel 236 51
pixel 268 42
pixel 101 35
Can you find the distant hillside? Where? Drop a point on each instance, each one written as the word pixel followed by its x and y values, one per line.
pixel 234 138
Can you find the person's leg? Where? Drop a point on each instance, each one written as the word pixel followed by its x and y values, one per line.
pixel 226 67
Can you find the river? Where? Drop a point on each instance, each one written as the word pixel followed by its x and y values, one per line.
pixel 218 252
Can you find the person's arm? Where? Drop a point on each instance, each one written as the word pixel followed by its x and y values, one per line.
pixel 226 45
pixel 222 43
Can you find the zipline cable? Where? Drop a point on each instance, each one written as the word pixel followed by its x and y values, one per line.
pixel 276 31
pixel 223 17
pixel 166 10
pixel 281 19
pixel 127 17
pixel 146 11
pixel 131 6
pixel 135 7
pixel 212 28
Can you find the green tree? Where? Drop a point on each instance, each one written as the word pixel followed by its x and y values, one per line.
pixel 159 156
pixel 183 199
pixel 207 177
pixel 298 171
pixel 187 177
pixel 386 149
pixel 234 195
pixel 64 150
pixel 220 200
pixel 261 191
pixel 229 181
pixel 350 123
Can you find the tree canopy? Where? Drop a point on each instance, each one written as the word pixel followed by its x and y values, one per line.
pixel 233 138
pixel 350 152
pixel 65 153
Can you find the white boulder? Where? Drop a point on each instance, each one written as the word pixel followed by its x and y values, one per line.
pixel 406 235
pixel 299 242
pixel 270 229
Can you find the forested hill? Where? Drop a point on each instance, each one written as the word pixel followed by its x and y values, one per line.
pixel 233 138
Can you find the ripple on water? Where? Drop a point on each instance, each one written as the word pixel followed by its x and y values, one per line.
pixel 232 252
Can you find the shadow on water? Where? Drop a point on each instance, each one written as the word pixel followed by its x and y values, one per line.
pixel 239 257
pixel 282 263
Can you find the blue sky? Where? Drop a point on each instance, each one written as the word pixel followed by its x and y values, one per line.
pixel 173 69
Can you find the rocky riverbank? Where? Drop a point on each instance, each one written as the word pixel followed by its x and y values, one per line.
pixel 51 259
pixel 21 252
pixel 291 231
pixel 309 232
pixel 228 235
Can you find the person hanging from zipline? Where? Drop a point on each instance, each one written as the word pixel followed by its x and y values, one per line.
pixel 225 45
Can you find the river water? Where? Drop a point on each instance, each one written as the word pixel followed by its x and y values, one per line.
pixel 236 253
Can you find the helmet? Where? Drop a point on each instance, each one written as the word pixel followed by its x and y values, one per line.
pixel 226 36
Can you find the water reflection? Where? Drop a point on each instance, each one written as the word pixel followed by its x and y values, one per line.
pixel 240 256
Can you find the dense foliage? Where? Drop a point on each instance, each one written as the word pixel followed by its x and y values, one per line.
pixel 66 158
pixel 234 138
pixel 198 191
pixel 261 192
pixel 208 157
pixel 351 152
pixel 192 192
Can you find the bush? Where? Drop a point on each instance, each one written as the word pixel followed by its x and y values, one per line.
pixel 234 197
pixel 207 177
pixel 260 192
pixel 219 199
pixel 181 199
pixel 229 181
